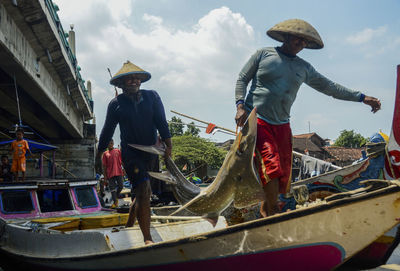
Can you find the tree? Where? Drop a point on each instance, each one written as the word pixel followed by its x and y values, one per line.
pixel 192 130
pixel 193 150
pixel 176 126
pixel 350 139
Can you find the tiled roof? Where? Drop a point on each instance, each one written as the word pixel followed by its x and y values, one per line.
pixel 309 135
pixel 343 154
pixel 302 143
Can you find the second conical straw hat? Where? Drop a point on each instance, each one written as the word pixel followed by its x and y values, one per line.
pixel 298 28
pixel 129 69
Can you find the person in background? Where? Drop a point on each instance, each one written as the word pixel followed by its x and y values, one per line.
pixel 276 75
pixel 5 170
pixel 140 114
pixel 112 165
pixel 194 179
pixel 18 149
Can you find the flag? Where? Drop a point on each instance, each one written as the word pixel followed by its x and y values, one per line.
pixel 392 159
pixel 210 128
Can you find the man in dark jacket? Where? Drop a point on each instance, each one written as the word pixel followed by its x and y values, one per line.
pixel 140 114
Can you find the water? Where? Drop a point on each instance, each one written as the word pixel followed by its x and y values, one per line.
pixel 395 258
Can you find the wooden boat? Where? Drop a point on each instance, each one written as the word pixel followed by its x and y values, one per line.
pixel 69 212
pixel 317 237
pixel 44 198
pixel 321 235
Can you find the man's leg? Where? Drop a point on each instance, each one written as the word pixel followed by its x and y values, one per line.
pixel 112 184
pixel 273 141
pixel 23 168
pixel 142 209
pixel 270 205
pixel 14 170
pixel 101 187
pixel 120 185
pixel 132 214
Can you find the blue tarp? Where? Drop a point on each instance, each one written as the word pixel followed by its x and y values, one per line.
pixel 34 146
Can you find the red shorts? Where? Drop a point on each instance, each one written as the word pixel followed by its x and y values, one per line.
pixel 274 153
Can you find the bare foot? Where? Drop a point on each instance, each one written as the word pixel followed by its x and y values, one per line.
pixel 148 242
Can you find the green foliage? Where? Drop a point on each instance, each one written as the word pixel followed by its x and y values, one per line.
pixel 192 130
pixel 176 126
pixel 350 139
pixel 194 150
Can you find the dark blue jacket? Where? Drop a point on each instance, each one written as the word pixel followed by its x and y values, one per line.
pixel 138 122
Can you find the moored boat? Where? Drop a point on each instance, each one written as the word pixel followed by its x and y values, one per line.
pixel 44 198
pixel 320 236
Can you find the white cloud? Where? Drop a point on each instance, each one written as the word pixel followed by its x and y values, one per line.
pixel 119 11
pixel 77 10
pixel 366 35
pixel 152 19
pixel 189 67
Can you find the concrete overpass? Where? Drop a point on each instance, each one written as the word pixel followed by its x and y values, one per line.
pixel 39 68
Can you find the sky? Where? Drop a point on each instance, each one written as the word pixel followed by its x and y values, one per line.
pixel 195 49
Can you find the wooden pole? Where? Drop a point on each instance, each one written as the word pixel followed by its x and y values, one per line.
pixel 54 165
pixel 115 88
pixel 205 122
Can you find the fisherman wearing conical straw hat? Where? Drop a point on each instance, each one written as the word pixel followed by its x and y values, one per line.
pixel 276 75
pixel 140 114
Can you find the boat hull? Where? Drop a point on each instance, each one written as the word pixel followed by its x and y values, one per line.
pixel 329 256
pixel 314 238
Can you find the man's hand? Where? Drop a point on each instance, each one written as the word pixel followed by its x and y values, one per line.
pixel 241 115
pixel 373 102
pixel 97 163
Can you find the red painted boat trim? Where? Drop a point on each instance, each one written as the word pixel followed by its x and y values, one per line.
pixel 320 256
pixel 317 256
pixel 393 149
pixel 396 114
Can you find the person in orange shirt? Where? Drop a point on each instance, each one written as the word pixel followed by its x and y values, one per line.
pixel 19 147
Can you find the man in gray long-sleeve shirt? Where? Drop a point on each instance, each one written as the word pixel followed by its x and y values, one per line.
pixel 276 75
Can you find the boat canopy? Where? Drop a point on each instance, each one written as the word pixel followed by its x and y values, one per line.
pixel 34 146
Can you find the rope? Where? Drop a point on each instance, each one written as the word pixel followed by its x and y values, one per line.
pixel 16 94
pixel 5 135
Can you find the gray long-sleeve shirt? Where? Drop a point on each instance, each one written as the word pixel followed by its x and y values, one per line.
pixel 276 78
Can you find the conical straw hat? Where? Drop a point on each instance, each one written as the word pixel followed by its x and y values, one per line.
pixel 129 69
pixel 297 28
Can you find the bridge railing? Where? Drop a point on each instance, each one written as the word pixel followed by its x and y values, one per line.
pixel 53 8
